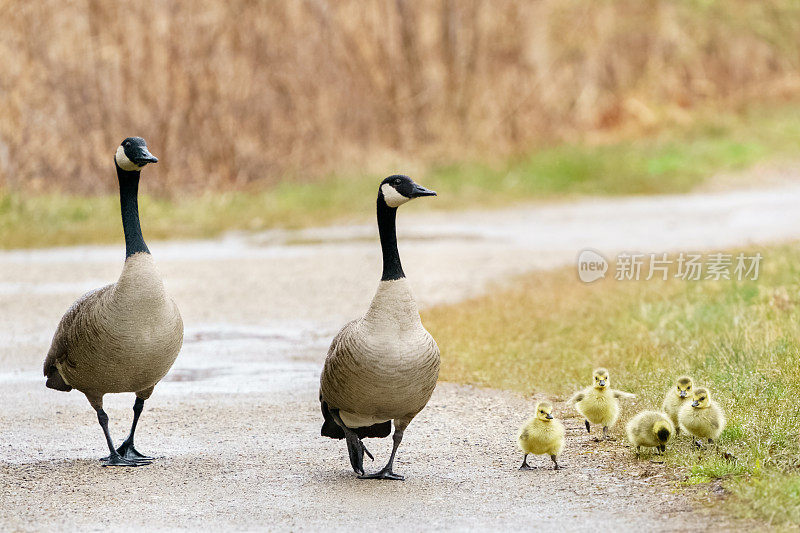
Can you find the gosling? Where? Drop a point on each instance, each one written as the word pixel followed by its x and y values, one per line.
pixel 703 418
pixel 599 404
pixel 651 429
pixel 675 398
pixel 541 435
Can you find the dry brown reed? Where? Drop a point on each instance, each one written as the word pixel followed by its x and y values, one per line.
pixel 236 92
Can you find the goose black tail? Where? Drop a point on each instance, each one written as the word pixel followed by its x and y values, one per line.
pixel 55 381
pixel 331 429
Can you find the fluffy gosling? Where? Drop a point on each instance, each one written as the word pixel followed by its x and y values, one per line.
pixel 651 429
pixel 675 398
pixel 599 404
pixel 541 435
pixel 702 418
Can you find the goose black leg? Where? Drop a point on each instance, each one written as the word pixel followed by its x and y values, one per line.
pixel 355 448
pixel 386 471
pixel 114 458
pixel 555 463
pixel 588 427
pixel 525 465
pixel 126 449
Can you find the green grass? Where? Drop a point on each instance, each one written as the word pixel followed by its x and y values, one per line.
pixel 674 160
pixel 742 339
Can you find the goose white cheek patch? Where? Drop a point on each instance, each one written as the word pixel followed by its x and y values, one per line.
pixel 392 197
pixel 123 161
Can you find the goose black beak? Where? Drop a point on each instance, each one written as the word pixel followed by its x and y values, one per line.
pixel 142 156
pixel 419 190
pixel 683 394
pixel 695 404
pixel 549 417
pixel 602 383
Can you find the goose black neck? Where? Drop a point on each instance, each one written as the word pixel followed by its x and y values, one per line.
pixel 129 205
pixel 392 269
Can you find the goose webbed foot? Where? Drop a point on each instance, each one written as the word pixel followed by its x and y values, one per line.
pixel 117 460
pixel 525 465
pixel 385 473
pixel 130 453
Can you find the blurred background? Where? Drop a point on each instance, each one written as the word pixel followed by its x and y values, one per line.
pixel 251 96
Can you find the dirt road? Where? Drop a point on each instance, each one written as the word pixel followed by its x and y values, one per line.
pixel 236 422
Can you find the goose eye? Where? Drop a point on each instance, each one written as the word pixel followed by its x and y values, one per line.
pixel 397 181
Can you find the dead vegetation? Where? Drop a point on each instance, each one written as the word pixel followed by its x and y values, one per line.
pixel 255 91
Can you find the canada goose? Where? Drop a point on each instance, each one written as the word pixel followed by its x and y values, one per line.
pixel 676 396
pixel 383 366
pixel 650 428
pixel 599 404
pixel 702 418
pixel 125 336
pixel 540 435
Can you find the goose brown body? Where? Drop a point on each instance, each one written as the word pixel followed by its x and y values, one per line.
pixel 383 366
pixel 123 337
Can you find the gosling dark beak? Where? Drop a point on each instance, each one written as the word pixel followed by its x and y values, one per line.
pixel 419 190
pixel 142 156
pixel 602 383
pixel 683 394
pixel 695 404
pixel 549 417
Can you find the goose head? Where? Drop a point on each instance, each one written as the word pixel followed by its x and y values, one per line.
pixel 398 189
pixel 544 411
pixel 701 399
pixel 684 386
pixel 662 431
pixel 600 376
pixel 132 155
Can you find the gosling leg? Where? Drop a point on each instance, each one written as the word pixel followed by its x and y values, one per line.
pixel 606 436
pixel 525 465
pixel 386 472
pixel 555 463
pixel 126 449
pixel 588 427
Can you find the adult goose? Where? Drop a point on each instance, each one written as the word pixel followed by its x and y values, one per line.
pixel 383 366
pixel 125 336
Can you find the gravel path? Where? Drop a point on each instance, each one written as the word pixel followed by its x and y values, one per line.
pixel 236 422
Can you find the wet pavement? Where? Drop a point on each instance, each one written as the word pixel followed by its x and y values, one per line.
pixel 236 421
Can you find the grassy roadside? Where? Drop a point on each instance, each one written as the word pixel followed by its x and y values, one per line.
pixel 740 338
pixel 674 160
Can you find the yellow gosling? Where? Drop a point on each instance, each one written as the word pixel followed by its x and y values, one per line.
pixel 702 418
pixel 541 435
pixel 599 403
pixel 651 429
pixel 675 398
